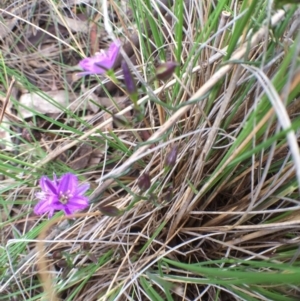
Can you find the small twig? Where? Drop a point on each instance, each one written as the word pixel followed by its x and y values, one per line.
pixel 6 100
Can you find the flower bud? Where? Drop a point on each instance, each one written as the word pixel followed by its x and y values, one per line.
pixel 165 70
pixel 57 255
pixel 86 246
pixel 62 263
pixel 171 157
pixel 144 182
pixel 110 210
pixel 128 79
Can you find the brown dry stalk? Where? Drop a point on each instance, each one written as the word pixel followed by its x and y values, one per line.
pixel 42 262
pixel 292 224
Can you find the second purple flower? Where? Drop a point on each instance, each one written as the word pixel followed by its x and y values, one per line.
pixel 101 61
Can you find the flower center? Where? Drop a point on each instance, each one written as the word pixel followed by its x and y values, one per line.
pixel 64 197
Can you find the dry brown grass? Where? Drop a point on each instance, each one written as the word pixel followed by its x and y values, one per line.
pixel 231 215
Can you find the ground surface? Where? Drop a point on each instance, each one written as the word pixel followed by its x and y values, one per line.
pixel 194 179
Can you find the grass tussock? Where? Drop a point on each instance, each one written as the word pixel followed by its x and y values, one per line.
pixel 194 178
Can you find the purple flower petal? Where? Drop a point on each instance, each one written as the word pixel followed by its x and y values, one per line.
pixel 67 184
pixel 100 62
pixel 44 206
pixel 47 185
pixel 112 54
pixel 82 189
pixel 78 202
pixel 89 64
pixel 74 209
pixel 67 211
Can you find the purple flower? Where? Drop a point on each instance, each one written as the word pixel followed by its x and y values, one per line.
pixel 164 71
pixel 128 79
pixel 171 157
pixel 101 61
pixel 63 194
pixel 144 182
